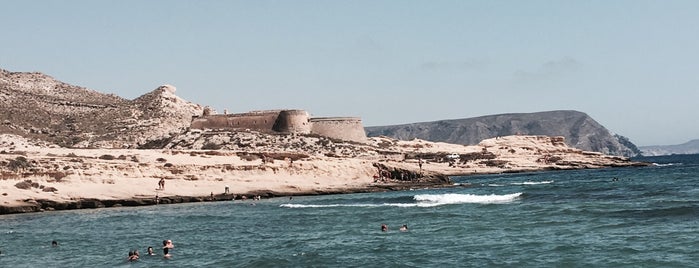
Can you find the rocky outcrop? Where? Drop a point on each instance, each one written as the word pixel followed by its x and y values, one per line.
pixel 690 147
pixel 37 106
pixel 579 129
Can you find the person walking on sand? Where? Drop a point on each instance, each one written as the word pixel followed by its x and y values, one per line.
pixel 161 184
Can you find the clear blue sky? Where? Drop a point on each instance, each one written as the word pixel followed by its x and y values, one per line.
pixel 631 65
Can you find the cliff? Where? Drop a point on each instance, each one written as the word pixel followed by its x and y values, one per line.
pixel 579 129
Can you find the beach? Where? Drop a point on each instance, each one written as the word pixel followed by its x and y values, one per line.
pixel 37 177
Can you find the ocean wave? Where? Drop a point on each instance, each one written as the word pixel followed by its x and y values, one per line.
pixel 446 199
pixel 531 182
pixel 424 200
pixel 495 185
pixel 327 206
pixel 666 165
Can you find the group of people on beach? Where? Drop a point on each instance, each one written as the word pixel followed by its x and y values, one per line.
pixel 167 246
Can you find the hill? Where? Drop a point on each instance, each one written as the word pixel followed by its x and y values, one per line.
pixel 35 105
pixel 690 147
pixel 65 147
pixel 579 129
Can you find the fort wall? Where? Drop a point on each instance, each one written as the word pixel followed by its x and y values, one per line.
pixel 285 121
pixel 344 128
pixel 262 121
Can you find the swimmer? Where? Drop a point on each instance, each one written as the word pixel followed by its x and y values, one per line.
pixel 166 253
pixel 404 228
pixel 167 245
pixel 384 227
pixel 54 243
pixel 150 251
pixel 132 256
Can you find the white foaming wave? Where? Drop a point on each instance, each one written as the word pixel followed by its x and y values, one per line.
pixel 666 165
pixel 401 205
pixel 425 200
pixel 495 185
pixel 531 182
pixel 446 199
pixel 327 206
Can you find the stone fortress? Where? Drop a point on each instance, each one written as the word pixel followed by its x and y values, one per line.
pixel 284 122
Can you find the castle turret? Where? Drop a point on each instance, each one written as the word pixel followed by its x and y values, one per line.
pixel 293 121
pixel 343 128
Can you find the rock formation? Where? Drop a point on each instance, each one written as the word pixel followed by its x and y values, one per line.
pixel 66 147
pixel 690 147
pixel 37 106
pixel 579 129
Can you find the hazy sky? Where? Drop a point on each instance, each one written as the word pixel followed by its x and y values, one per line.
pixel 631 65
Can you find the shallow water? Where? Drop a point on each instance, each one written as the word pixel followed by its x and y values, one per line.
pixel 649 217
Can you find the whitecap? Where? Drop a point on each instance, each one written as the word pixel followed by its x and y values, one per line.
pixel 531 182
pixel 445 199
pixel 424 200
pixel 665 165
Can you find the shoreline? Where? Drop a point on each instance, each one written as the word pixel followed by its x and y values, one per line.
pixel 46 205
pixel 40 178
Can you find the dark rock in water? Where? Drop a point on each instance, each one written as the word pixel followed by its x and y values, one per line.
pixel 579 129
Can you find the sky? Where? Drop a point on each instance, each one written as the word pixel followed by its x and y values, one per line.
pixel 633 66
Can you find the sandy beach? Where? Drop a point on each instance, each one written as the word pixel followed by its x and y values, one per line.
pixel 34 175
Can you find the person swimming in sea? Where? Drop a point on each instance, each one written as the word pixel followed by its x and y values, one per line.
pixel 167 245
pixel 384 227
pixel 150 252
pixel 166 253
pixel 54 243
pixel 404 228
pixel 132 256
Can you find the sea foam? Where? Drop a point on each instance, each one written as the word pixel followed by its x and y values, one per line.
pixel 531 182
pixel 423 200
pixel 446 199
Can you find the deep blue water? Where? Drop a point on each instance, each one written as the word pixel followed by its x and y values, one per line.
pixel 646 217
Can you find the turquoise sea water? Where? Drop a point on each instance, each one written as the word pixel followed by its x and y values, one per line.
pixel 646 217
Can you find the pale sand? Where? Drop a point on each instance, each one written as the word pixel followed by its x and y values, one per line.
pixel 204 173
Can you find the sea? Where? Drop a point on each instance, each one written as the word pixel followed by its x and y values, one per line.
pixel 615 217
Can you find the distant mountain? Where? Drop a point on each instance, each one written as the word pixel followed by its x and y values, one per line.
pixel 690 147
pixel 579 129
pixel 36 105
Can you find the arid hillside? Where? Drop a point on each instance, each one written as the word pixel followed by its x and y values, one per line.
pixel 38 106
